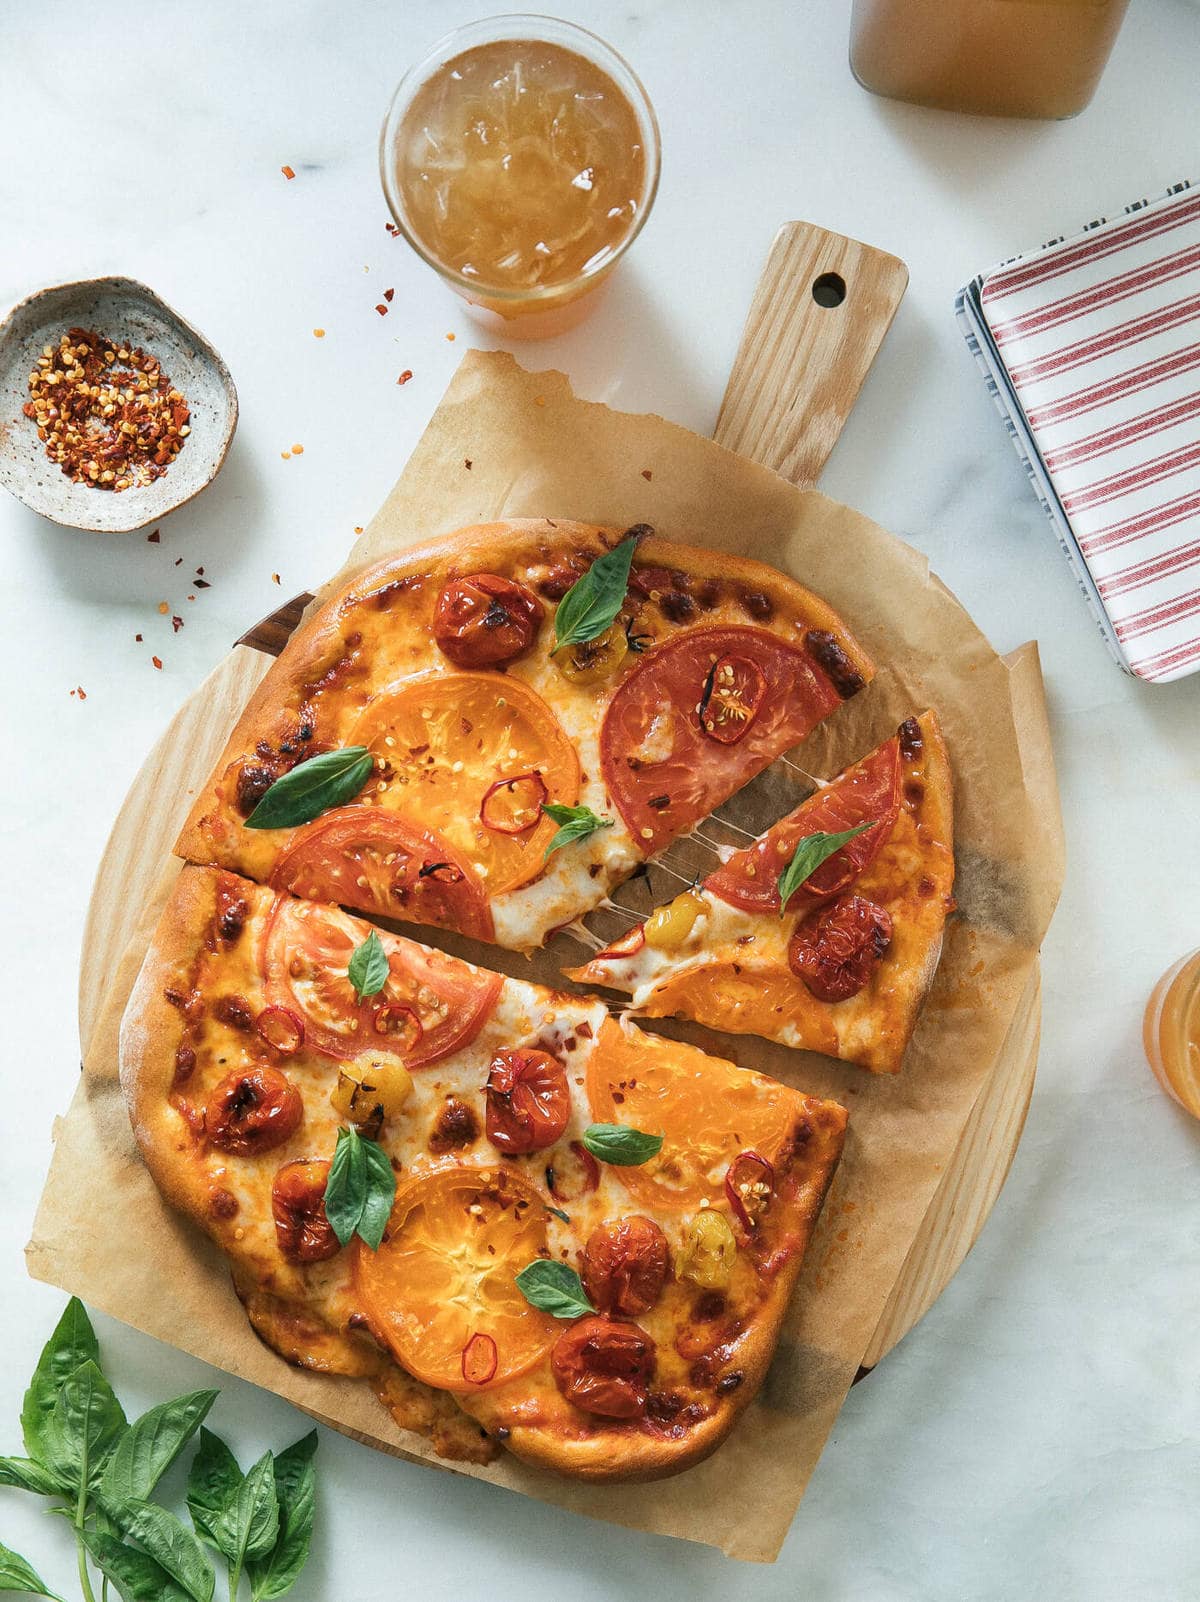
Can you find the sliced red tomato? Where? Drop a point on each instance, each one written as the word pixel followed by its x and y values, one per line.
pixel 869 791
pixel 663 770
pixel 379 862
pixel 306 956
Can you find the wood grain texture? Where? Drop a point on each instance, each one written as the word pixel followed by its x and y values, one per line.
pixel 801 364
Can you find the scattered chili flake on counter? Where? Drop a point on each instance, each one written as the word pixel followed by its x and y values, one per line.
pixel 405 376
pixel 157 661
pixel 275 578
pixel 287 172
pixel 382 309
pixel 108 414
pixel 647 474
pixel 358 530
pixel 138 638
pixel 202 584
pixel 388 294
pixel 163 608
pixel 467 463
pixel 176 623
pixel 154 538
pixel 318 333
pixel 80 692
pixel 452 337
pixel 297 450
pixel 392 229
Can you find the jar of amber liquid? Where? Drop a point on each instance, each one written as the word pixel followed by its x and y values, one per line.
pixel 520 159
pixel 1004 58
pixel 1171 1032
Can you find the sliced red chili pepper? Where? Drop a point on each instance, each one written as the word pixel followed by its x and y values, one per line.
pixel 747 1171
pixel 399 1023
pixel 588 1175
pixel 513 806
pixel 479 1359
pixel 733 693
pixel 627 946
pixel 282 1030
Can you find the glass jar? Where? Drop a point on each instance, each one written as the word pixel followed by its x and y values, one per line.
pixel 1171 1032
pixel 1004 58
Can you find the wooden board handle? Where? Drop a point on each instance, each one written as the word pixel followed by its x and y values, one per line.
pixel 819 314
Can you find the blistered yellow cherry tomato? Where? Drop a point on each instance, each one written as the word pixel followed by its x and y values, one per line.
pixel 594 660
pixel 670 926
pixel 709 1251
pixel 366 1090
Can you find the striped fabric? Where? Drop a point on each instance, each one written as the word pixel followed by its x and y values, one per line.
pixel 1091 346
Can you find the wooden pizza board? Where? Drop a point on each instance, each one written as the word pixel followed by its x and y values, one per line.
pixel 821 310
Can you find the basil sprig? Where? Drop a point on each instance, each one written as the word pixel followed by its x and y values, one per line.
pixel 324 781
pixel 620 1145
pixel 554 1288
pixel 368 969
pixel 808 856
pixel 591 604
pixel 360 1189
pixel 103 1471
pixel 575 823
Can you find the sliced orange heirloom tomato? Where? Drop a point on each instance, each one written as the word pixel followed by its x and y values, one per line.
pixel 706 1110
pixel 306 955
pixel 446 741
pixel 743 1000
pixel 443 1282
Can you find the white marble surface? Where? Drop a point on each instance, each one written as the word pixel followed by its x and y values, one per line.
pixel 1038 1433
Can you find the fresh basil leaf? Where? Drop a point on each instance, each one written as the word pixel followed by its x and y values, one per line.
pixel 213 1478
pixel 136 1575
pixel 152 1444
pixel 85 1426
pixel 808 856
pixel 327 780
pixel 554 1288
pixel 248 1525
pixel 295 1489
pixel 360 1189
pixel 18 1575
pixel 369 970
pixel 621 1146
pixel 26 1475
pixel 72 1343
pixel 174 1548
pixel 591 604
pixel 575 823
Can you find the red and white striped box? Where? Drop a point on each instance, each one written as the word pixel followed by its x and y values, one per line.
pixel 1091 347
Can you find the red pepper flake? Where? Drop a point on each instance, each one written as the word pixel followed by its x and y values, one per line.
pixel 647 474
pixel 199 572
pixel 318 333
pixel 191 597
pixel 157 661
pixel 382 309
pixel 154 538
pixel 387 295
pixel 80 692
pixel 287 172
pixel 467 463
pixel 405 376
pixel 452 337
pixel 391 228
pixel 358 530
pixel 163 608
pixel 275 578
pixel 176 623
pixel 179 561
pixel 297 450
pixel 539 400
pixel 138 638
pixel 202 584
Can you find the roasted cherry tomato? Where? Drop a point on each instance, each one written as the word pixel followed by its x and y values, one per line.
pixel 282 1030
pixel 511 806
pixel 253 1110
pixel 750 1184
pixel 732 696
pixel 486 620
pixel 625 1265
pixel 593 661
pixel 653 743
pixel 374 860
pixel 604 1367
pixel 304 1233
pixel 836 950
pixel 430 1005
pixel 869 792
pixel 709 1251
pixel 669 927
pixel 528 1100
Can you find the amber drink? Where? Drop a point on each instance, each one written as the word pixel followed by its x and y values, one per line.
pixel 520 159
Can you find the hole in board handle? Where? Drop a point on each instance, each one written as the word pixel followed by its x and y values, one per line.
pixel 829 289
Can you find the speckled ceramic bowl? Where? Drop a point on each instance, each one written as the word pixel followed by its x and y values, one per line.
pixel 123 309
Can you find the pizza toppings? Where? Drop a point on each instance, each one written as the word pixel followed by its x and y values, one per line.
pixel 514 806
pixel 666 929
pixel 733 693
pixel 836 950
pixel 573 1175
pixel 625 1264
pixel 594 601
pixel 304 1233
pixel 709 1251
pixel 593 661
pixel 360 1188
pixel 627 946
pixel 574 823
pixel 604 1367
pixel 553 1287
pixel 749 1185
pixel 367 1093
pixel 281 1029
pixel 486 621
pixel 528 1100
pixel 253 1110
pixel 326 780
pixel 447 1272
pixel 620 1145
pixel 654 742
pixel 480 1359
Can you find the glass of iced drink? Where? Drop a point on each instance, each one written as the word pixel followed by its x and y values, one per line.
pixel 520 158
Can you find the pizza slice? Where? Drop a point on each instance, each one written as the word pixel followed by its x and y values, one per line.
pixel 844 966
pixel 521 1221
pixel 491 732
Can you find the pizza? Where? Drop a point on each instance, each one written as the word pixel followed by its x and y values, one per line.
pixel 843 964
pixel 489 733
pixel 522 1221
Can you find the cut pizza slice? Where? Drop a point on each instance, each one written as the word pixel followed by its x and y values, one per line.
pixel 521 1221
pixel 491 732
pixel 844 964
